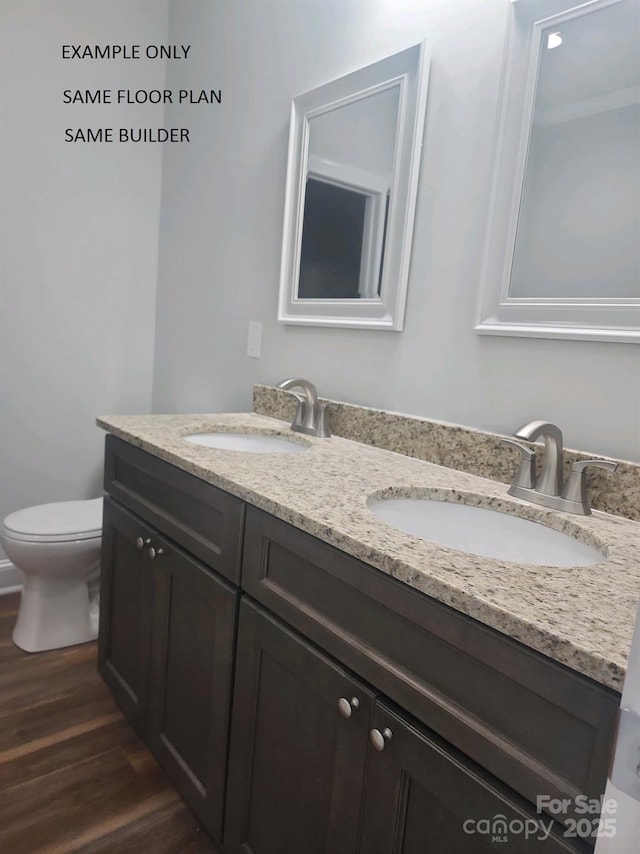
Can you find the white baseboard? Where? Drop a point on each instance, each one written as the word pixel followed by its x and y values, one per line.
pixel 11 579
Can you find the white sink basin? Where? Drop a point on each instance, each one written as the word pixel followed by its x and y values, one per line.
pixel 485 532
pixel 247 442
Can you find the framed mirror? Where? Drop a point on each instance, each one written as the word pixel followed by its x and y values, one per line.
pixel 354 151
pixel 563 250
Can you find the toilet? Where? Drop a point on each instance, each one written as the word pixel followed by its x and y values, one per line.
pixel 57 547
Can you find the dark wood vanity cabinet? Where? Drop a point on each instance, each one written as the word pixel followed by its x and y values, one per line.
pixel 192 655
pixel 420 795
pixel 304 702
pixel 168 620
pixel 298 745
pixel 126 608
pixel 320 765
pixel 207 522
pixel 531 723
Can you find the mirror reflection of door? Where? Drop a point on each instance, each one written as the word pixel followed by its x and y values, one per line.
pixel 331 254
pixel 351 158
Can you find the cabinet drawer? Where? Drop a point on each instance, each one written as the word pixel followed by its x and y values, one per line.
pixel 536 725
pixel 204 520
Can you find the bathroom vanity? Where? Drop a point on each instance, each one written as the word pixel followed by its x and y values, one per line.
pixel 314 681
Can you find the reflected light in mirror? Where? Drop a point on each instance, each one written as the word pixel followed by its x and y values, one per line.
pixel 554 40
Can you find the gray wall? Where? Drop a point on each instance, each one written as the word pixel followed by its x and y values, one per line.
pixel 78 245
pixel 221 231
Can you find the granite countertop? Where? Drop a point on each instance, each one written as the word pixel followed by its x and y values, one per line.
pixel 580 616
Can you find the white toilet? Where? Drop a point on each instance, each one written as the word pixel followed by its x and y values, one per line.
pixel 57 547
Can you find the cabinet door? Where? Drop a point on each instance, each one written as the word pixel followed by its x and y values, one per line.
pixel 421 796
pixel 191 677
pixel 126 601
pixel 298 745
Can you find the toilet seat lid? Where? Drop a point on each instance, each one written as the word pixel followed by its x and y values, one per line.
pixel 61 521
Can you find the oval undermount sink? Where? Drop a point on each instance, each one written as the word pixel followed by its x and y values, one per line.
pixel 248 442
pixel 485 532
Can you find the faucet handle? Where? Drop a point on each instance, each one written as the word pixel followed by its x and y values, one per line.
pixel 576 487
pixel 322 422
pixel 583 465
pixel 526 475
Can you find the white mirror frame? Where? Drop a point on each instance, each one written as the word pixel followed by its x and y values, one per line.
pixel 407 70
pixel 587 319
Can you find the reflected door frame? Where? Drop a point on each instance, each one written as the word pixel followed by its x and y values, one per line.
pixel 376 190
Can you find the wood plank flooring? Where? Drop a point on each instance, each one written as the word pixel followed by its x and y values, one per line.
pixel 74 777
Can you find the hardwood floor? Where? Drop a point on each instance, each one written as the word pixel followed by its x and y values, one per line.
pixel 73 774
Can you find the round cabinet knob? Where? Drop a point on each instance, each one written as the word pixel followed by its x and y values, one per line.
pixel 154 553
pixel 348 707
pixel 379 739
pixel 141 543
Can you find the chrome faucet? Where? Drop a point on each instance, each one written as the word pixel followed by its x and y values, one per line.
pixel 311 417
pixel 548 489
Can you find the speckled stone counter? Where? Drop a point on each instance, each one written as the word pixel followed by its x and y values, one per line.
pixel 456 446
pixel 580 616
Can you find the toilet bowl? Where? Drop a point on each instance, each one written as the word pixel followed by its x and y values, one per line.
pixel 57 547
